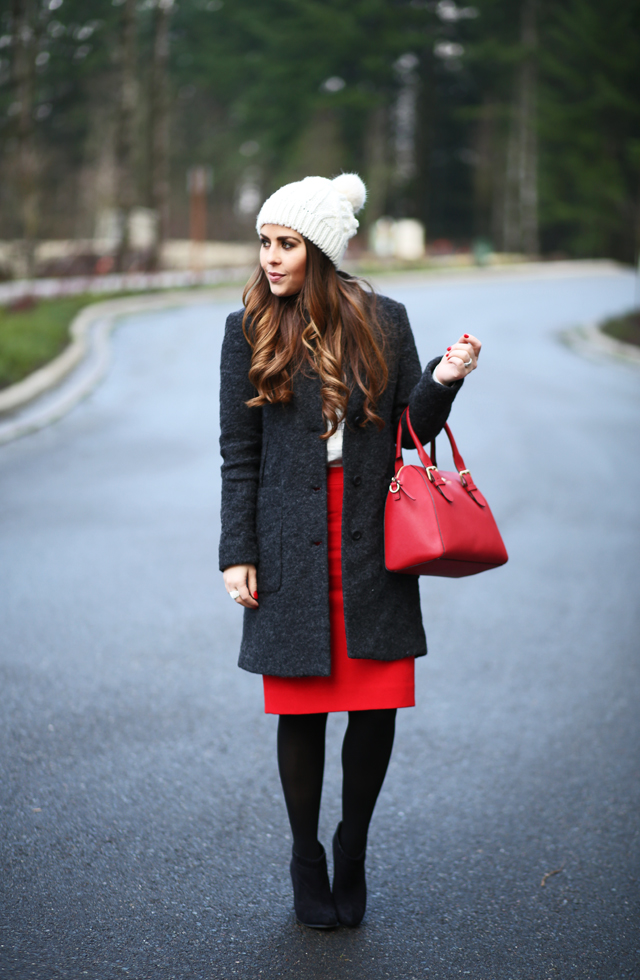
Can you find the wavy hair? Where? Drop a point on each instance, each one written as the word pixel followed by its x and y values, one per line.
pixel 330 327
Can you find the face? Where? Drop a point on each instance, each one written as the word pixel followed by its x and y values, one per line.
pixel 283 256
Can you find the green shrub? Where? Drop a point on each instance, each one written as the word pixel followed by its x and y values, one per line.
pixel 626 328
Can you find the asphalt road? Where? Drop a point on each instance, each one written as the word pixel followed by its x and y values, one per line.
pixel 143 834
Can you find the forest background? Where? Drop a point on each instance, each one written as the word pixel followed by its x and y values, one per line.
pixel 514 122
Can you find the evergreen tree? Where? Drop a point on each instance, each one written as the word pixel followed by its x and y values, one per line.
pixel 491 120
pixel 590 128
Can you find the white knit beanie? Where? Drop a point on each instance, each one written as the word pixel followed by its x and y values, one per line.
pixel 320 209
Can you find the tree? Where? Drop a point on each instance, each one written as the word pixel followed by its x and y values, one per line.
pixel 159 113
pixel 516 121
pixel 126 128
pixel 590 128
pixel 520 232
pixel 25 46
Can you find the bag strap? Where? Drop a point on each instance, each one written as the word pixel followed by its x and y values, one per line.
pixel 457 458
pixel 424 458
pixel 429 462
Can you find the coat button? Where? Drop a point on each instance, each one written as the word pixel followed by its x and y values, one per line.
pixel 357 480
pixel 356 535
pixel 357 420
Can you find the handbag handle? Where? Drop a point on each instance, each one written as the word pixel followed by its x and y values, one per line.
pixel 430 466
pixel 427 461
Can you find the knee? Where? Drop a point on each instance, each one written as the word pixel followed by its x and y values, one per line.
pixel 374 719
pixel 302 724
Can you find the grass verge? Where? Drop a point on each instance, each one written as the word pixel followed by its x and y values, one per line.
pixel 32 335
pixel 625 328
pixel 33 332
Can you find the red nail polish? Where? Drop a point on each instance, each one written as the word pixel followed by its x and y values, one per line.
pixel 466 336
pixel 255 595
pixel 448 348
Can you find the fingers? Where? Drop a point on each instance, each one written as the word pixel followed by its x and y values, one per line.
pixel 460 360
pixel 457 356
pixel 450 370
pixel 468 338
pixel 463 350
pixel 245 598
pixel 463 355
pixel 242 579
pixel 253 582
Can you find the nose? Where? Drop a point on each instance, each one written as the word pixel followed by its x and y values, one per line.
pixel 271 256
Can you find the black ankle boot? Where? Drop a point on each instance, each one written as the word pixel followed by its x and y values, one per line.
pixel 312 893
pixel 349 884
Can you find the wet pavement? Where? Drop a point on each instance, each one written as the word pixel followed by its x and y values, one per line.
pixel 142 830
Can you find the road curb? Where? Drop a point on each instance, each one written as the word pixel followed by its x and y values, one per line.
pixel 589 340
pixel 16 396
pixel 51 392
pixel 513 271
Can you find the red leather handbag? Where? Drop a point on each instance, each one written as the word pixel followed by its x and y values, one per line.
pixel 438 523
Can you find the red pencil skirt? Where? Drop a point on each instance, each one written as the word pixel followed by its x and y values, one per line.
pixel 353 685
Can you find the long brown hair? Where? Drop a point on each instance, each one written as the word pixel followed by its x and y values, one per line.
pixel 329 327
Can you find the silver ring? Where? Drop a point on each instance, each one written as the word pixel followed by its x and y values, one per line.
pixel 468 363
pixel 234 593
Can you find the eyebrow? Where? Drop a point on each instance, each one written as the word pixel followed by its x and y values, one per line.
pixel 283 238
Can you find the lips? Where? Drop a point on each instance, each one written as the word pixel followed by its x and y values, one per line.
pixel 275 276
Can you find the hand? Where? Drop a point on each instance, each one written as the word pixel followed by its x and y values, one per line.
pixel 242 578
pixel 454 365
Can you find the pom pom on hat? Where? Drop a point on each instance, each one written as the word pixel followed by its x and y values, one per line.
pixel 320 209
pixel 353 189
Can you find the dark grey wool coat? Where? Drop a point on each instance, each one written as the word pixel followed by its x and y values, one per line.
pixel 274 509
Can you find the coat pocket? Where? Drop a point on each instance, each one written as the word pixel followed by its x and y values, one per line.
pixel 269 534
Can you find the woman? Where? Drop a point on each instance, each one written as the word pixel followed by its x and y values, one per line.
pixel 316 373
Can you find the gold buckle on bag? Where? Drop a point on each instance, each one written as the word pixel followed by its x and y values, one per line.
pixel 394 479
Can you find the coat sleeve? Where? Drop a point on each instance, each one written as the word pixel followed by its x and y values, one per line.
pixel 429 402
pixel 240 446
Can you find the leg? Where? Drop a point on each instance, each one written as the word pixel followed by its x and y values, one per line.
pixel 301 741
pixel 301 764
pixel 366 751
pixel 365 756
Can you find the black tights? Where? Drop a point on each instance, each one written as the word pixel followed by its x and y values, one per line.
pixel 366 751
